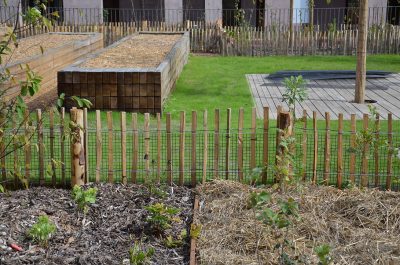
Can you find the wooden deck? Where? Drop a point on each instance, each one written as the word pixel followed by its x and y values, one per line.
pixel 332 96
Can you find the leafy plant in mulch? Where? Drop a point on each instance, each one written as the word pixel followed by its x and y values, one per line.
pixel 161 217
pixel 42 230
pixel 138 255
pixel 174 242
pixel 83 198
pixel 322 252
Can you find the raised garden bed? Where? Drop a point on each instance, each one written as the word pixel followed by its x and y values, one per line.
pixel 359 226
pixel 59 50
pixel 111 227
pixel 136 73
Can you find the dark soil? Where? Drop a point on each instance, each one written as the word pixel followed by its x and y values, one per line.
pixel 104 236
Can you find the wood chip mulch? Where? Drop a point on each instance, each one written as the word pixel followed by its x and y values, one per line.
pixel 103 236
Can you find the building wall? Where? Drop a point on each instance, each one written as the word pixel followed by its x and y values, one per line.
pixel 173 11
pixel 82 12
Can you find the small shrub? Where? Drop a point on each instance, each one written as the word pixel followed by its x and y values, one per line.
pixel 84 197
pixel 42 230
pixel 139 256
pixel 161 216
pixel 295 92
pixel 323 254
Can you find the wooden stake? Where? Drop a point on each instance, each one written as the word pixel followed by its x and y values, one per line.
pixel 110 148
pixel 353 146
pixel 240 145
pixel 147 158
pixel 41 146
pixel 304 145
pixel 53 166
pixel 253 139
pixel 135 148
pixel 182 148
pixel 99 146
pixel 78 148
pixel 169 150
pixel 228 143
pixel 265 145
pixel 376 151
pixel 27 148
pixel 315 155
pixel 123 147
pixel 205 147
pixel 216 144
pixel 86 143
pixel 340 153
pixel 364 162
pixel 194 133
pixel 327 149
pixel 62 133
pixel 159 143
pixel 390 153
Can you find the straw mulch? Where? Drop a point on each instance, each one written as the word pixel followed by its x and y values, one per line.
pixel 361 227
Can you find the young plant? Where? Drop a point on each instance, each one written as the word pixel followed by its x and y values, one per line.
pixel 42 230
pixel 139 256
pixel 83 198
pixel 2 189
pixel 323 254
pixel 161 216
pixel 296 92
pixel 195 231
pixel 172 242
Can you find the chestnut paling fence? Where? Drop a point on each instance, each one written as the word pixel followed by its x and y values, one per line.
pixel 198 147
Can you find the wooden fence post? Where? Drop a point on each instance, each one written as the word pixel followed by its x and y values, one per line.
pixel 41 146
pixel 304 145
pixel 327 149
pixel 376 151
pixel 194 138
pixel 315 154
pixel 86 143
pixel 147 158
pixel 182 148
pixel 53 166
pixel 353 145
pixel 62 140
pixel 240 145
pixel 340 152
pixel 390 153
pixel 159 143
pixel 99 150
pixel 364 162
pixel 265 145
pixel 169 149
pixel 78 148
pixel 27 148
pixel 228 143
pixel 284 128
pixel 205 146
pixel 123 147
pixel 135 148
pixel 216 144
pixel 110 147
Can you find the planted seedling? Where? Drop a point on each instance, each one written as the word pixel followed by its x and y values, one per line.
pixel 295 92
pixel 42 230
pixel 172 242
pixel 139 256
pixel 161 216
pixel 323 254
pixel 195 231
pixel 83 198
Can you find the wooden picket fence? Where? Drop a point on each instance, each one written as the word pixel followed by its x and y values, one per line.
pixel 192 151
pixel 249 41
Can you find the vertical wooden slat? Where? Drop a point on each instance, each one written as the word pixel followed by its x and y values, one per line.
pixel 77 148
pixel 40 146
pixel 376 151
pixel 110 147
pixel 205 146
pixel 53 166
pixel 352 166
pixel 228 143
pixel 123 147
pixel 390 153
pixel 364 162
pixel 327 149
pixel 240 145
pixel 135 148
pixel 182 148
pixel 147 158
pixel 265 145
pixel 216 144
pixel 15 150
pixel 99 146
pixel 194 138
pixel 253 138
pixel 169 149
pixel 315 153
pixel 27 148
pixel 340 152
pixel 3 152
pixel 86 144
pixel 159 147
pixel 304 145
pixel 62 140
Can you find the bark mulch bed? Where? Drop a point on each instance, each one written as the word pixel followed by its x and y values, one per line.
pixel 360 226
pixel 140 51
pixel 103 236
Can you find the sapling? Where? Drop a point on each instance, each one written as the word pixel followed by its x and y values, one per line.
pixel 295 92
pixel 139 256
pixel 42 230
pixel 161 216
pixel 83 198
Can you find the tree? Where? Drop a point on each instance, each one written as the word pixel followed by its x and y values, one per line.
pixel 361 69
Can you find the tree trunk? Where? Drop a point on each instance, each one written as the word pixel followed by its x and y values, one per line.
pixel 362 52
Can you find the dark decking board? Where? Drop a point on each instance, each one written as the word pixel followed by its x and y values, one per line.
pixel 334 96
